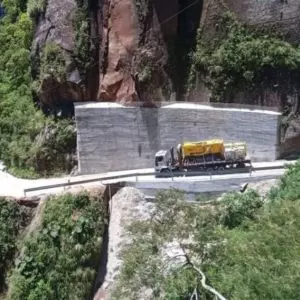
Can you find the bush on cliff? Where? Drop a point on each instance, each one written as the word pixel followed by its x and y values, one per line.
pixel 243 59
pixel 13 218
pixel 247 248
pixel 20 120
pixel 59 259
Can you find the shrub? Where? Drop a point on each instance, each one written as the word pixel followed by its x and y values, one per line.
pixel 52 62
pixel 59 260
pixel 289 186
pixel 13 218
pixel 237 208
pixel 36 7
pixel 54 148
pixel 25 148
pixel 247 248
pixel 247 60
pixel 262 261
pixel 84 45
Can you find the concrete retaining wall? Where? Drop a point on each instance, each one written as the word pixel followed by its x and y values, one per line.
pixel 112 137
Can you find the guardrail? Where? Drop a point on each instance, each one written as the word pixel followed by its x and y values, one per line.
pixel 158 175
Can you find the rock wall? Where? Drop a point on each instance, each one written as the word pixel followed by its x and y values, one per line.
pixel 126 49
pixel 112 137
pixel 126 205
pixel 110 50
pixel 55 26
pixel 282 16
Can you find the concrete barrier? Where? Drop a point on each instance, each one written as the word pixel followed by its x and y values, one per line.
pixel 113 137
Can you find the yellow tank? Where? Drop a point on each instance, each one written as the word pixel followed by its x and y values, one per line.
pixel 203 148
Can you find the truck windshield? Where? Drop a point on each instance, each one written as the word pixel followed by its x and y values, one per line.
pixel 158 159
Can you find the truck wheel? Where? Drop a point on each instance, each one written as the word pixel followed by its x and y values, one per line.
pixel 221 168
pixel 164 173
pixel 240 165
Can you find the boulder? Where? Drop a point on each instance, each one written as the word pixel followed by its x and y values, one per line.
pixel 133 53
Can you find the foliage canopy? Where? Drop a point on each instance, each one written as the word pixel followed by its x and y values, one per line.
pixel 60 258
pixel 13 218
pixel 247 247
pixel 244 59
pixel 21 122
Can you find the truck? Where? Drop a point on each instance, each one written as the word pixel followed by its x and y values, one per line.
pixel 206 156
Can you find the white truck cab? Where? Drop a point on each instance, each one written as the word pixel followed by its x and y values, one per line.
pixel 162 160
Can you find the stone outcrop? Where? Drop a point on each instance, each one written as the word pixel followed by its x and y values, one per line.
pixel 126 44
pixel 280 16
pixel 116 50
pixel 122 59
pixel 126 205
pixel 290 128
pixel 276 16
pixel 55 27
pixel 133 53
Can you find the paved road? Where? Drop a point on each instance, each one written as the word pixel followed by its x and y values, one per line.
pixel 11 186
pixel 204 184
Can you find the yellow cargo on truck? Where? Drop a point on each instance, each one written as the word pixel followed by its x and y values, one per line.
pixel 206 155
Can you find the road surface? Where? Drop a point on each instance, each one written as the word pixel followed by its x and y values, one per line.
pixel 12 186
pixel 203 184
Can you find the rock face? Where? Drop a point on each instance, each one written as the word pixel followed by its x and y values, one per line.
pixel 126 44
pixel 276 16
pixel 280 15
pixel 133 53
pixel 119 50
pixel 290 128
pixel 123 59
pixel 125 206
pixel 55 27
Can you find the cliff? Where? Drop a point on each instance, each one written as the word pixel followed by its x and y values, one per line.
pixel 112 50
pixel 99 51
pixel 143 50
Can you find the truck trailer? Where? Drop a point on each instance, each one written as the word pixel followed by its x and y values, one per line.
pixel 209 155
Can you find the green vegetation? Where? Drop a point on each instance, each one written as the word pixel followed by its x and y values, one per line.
pixel 52 62
pixel 54 148
pixel 13 218
pixel 83 44
pixel 244 59
pixel 59 259
pixel 247 247
pixel 21 123
pixel 36 7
